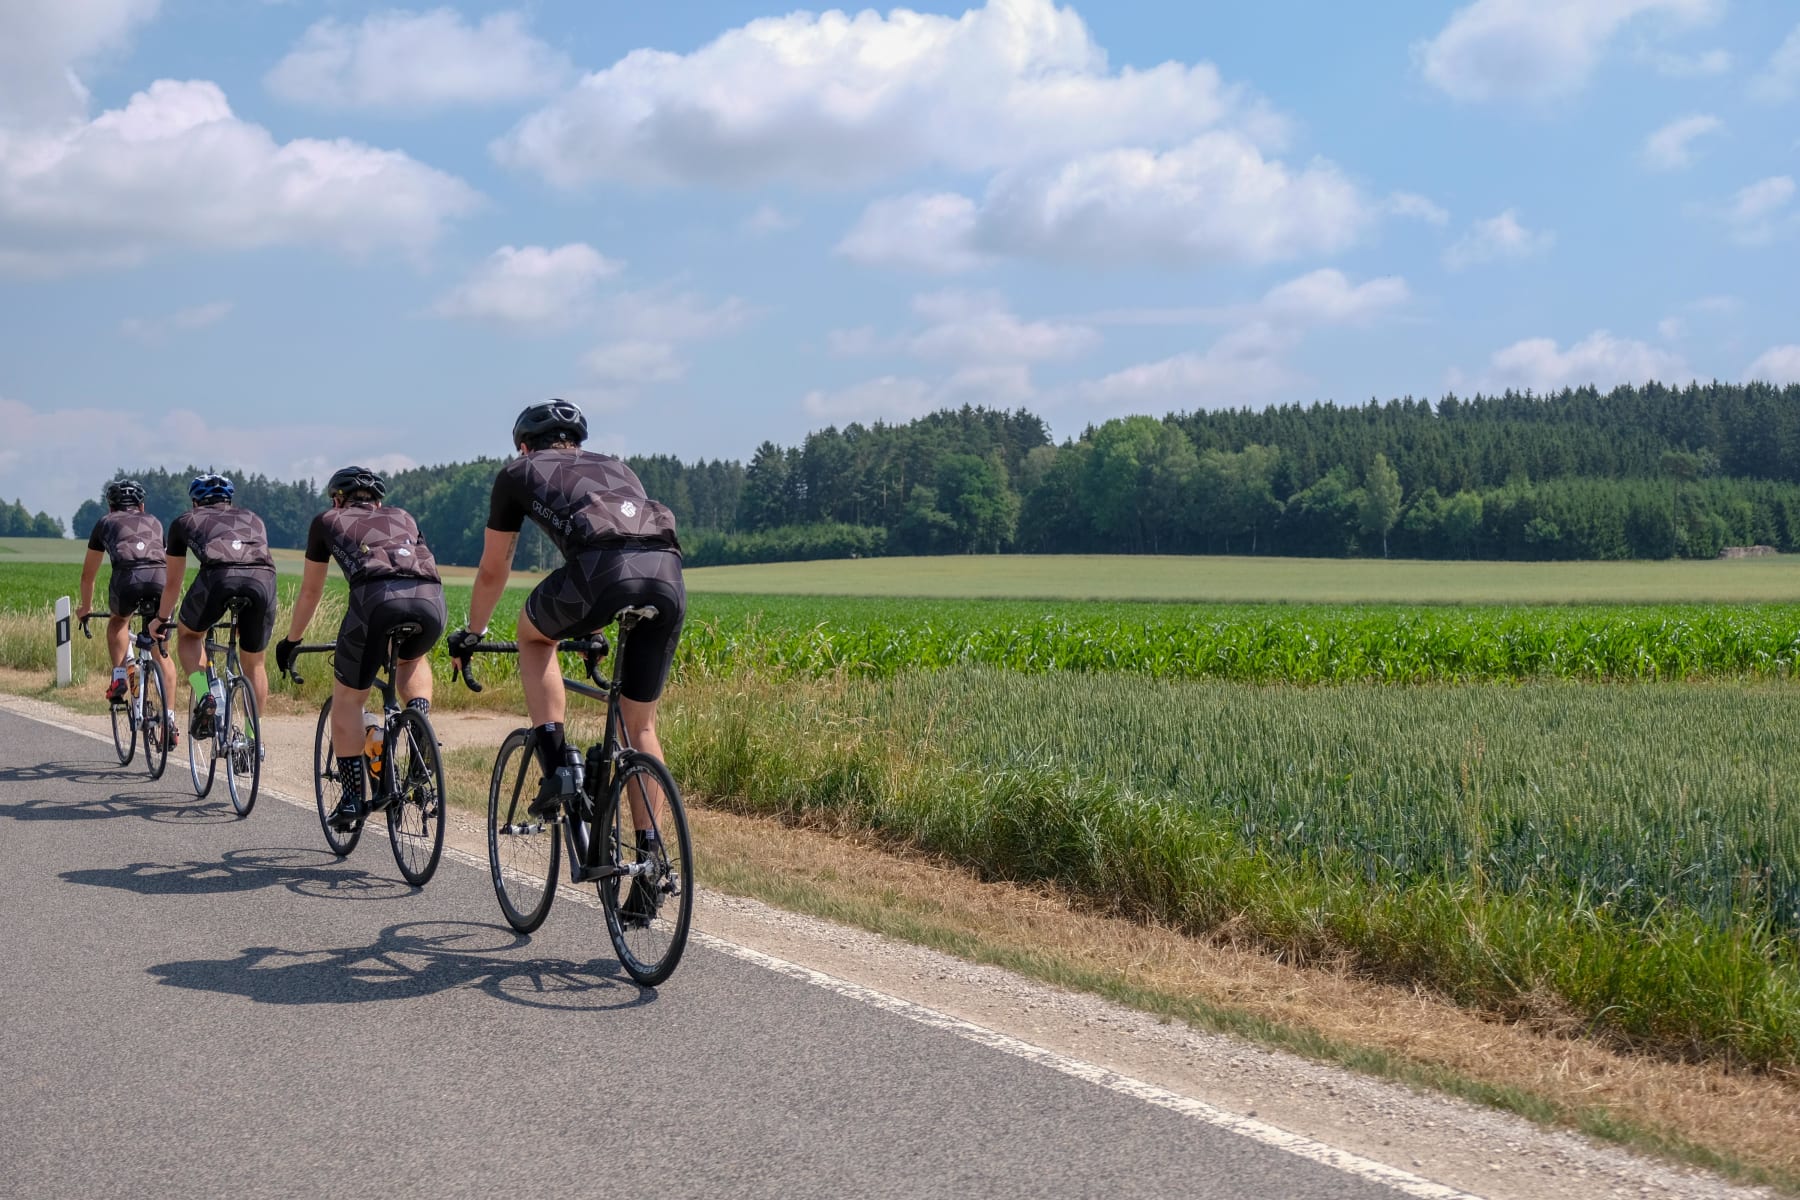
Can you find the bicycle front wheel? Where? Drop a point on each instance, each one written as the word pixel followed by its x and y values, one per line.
pixel 124 730
pixel 650 903
pixel 239 744
pixel 155 722
pixel 416 815
pixel 328 787
pixel 523 850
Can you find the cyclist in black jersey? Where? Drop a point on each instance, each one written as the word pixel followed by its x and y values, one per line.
pixel 133 540
pixel 619 549
pixel 235 564
pixel 393 581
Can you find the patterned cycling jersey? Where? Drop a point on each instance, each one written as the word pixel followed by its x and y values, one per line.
pixel 371 542
pixel 221 535
pixel 584 501
pixel 129 538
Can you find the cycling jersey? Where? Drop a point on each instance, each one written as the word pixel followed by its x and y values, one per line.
pixel 221 535
pixel 371 542
pixel 583 500
pixel 128 538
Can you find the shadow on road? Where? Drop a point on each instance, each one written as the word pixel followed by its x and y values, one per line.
pixel 307 872
pixel 85 771
pixel 169 808
pixel 417 958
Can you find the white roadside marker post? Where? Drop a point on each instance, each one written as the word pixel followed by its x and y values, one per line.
pixel 65 649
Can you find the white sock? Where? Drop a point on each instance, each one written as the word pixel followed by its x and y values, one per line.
pixel 118 672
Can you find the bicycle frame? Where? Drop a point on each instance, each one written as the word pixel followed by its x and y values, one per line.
pixel 137 649
pixel 384 791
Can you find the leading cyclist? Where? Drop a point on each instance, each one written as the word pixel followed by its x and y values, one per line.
pixel 133 540
pixel 619 550
pixel 393 581
pixel 233 548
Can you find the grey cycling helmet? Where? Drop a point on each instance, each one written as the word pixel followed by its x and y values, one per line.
pixel 124 493
pixel 350 480
pixel 551 421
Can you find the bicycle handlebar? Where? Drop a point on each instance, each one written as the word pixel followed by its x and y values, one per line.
pixel 94 616
pixel 593 649
pixel 318 648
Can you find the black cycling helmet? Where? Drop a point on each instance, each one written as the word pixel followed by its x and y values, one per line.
pixel 210 489
pixel 350 480
pixel 124 493
pixel 551 421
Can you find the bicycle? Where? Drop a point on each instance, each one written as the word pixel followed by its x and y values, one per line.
pixel 235 735
pixel 145 706
pixel 404 778
pixel 647 896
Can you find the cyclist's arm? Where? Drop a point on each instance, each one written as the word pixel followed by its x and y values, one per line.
pixel 312 587
pixel 174 571
pixel 490 577
pixel 90 569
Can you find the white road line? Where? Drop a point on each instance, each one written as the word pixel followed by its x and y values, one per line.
pixel 1401 1181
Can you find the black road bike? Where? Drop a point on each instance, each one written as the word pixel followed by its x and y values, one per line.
pixel 647 894
pixel 144 708
pixel 234 737
pixel 404 777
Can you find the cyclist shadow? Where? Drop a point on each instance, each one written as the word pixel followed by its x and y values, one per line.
pixel 306 872
pixel 168 809
pixel 409 960
pixel 68 772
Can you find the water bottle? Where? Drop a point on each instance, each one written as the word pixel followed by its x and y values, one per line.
pixel 131 678
pixel 217 687
pixel 372 743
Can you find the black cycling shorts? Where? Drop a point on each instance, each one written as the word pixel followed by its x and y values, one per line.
pixel 135 588
pixel 214 587
pixel 375 608
pixel 588 591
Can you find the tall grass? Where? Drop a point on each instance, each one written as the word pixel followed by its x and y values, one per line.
pixel 1546 851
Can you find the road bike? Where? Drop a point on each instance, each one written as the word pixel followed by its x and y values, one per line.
pixel 646 886
pixel 234 736
pixel 145 707
pixel 403 772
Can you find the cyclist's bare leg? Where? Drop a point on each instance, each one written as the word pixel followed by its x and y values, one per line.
pixel 346 719
pixel 639 717
pixel 257 674
pixel 413 677
pixel 540 674
pixel 118 639
pixel 165 666
pixel 191 648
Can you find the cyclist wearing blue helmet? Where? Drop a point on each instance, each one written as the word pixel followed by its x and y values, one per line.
pixel 233 549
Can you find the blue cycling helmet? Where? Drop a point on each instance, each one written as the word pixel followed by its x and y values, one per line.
pixel 210 489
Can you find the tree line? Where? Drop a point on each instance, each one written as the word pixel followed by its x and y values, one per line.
pixel 1636 472
pixel 18 521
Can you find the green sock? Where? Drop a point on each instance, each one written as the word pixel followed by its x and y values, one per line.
pixel 198 681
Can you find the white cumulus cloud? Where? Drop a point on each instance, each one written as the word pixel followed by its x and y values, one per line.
pixel 1244 366
pixel 417 62
pixel 1762 211
pixel 977 327
pixel 832 98
pixel 1216 199
pixel 625 364
pixel 1497 238
pixel 175 168
pixel 1327 297
pixel 531 287
pixel 1779 80
pixel 1537 50
pixel 1671 148
pixel 1417 207
pixel 1780 364
pixel 44 42
pixel 1600 359
pixel 154 331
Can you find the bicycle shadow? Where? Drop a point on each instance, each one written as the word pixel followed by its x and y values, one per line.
pixel 314 873
pixel 409 960
pixel 168 809
pixel 70 772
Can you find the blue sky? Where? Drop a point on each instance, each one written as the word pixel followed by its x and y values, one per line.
pixel 286 235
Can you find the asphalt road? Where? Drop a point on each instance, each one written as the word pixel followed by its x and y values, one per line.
pixel 203 1006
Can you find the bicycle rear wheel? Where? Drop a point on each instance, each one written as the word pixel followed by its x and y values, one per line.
pixel 155 722
pixel 328 787
pixel 648 909
pixel 415 817
pixel 523 850
pixel 124 731
pixel 203 757
pixel 238 741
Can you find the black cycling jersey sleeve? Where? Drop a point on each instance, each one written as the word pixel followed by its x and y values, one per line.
pixel 178 535
pixel 507 507
pixel 97 539
pixel 318 541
